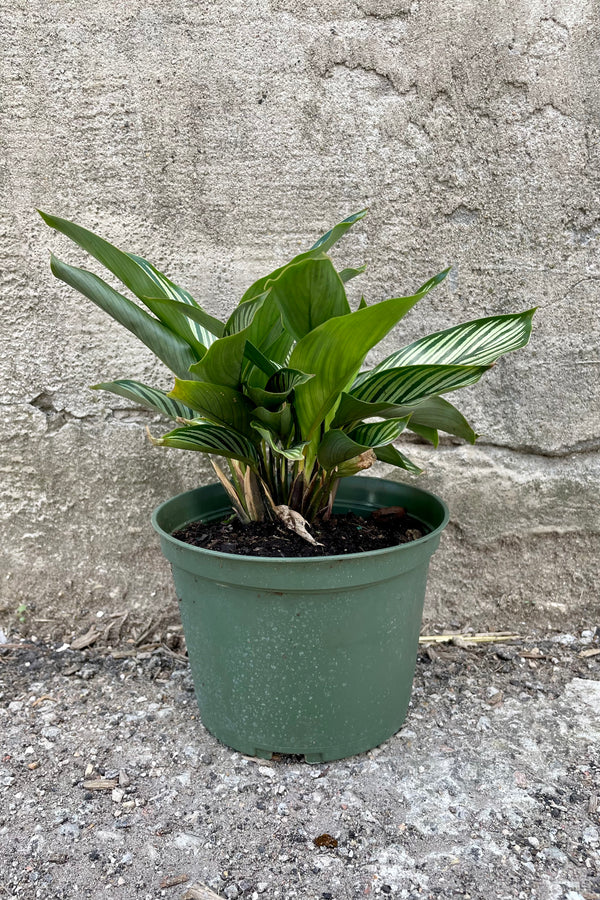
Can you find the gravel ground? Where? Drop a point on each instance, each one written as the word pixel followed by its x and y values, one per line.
pixel 111 786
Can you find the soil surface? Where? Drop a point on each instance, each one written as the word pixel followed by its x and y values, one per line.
pixel 347 533
pixel 111 787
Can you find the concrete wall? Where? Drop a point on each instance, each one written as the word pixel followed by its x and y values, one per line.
pixel 219 138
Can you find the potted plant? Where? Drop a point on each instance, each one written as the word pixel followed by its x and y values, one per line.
pixel 312 655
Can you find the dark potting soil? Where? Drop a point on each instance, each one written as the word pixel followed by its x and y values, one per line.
pixel 347 533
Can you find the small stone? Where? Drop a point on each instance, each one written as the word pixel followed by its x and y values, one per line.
pixel 533 841
pixel 232 891
pixel 117 795
pixel 15 705
pixel 262 886
pixel 89 770
pixel 124 779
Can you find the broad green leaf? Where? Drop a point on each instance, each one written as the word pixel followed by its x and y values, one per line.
pixel 351 410
pixel 337 446
pixel 334 352
pixel 146 396
pixel 293 453
pixel 218 403
pixel 279 421
pixel 260 360
pixel 210 439
pixel 437 413
pixel 172 349
pixel 362 304
pixel 347 274
pixel 322 246
pixel 222 363
pixel 424 431
pixel 277 388
pixel 395 457
pixel 309 293
pixel 408 384
pixel 476 343
pixel 143 279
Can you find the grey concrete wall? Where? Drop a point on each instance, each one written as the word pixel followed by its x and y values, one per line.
pixel 219 138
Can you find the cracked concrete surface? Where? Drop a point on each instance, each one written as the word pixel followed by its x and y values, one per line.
pixel 217 140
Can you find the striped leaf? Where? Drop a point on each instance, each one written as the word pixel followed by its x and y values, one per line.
pixel 337 446
pixel 408 384
pixel 293 453
pixel 210 439
pixel 217 403
pixel 395 457
pixel 279 421
pixel 143 280
pixel 334 352
pixel 146 396
pixel 476 343
pixel 243 314
pixel 172 349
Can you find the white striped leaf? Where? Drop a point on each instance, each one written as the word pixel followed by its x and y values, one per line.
pixel 217 403
pixel 210 439
pixel 476 343
pixel 172 349
pixel 243 314
pixel 337 446
pixel 408 384
pixel 395 457
pixel 334 352
pixel 293 453
pixel 146 396
pixel 144 280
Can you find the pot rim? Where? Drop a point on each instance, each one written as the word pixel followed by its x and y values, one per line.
pixel 304 560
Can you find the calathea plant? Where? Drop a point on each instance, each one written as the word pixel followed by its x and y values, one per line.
pixel 277 389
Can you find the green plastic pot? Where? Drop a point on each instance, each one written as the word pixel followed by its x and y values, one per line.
pixel 311 656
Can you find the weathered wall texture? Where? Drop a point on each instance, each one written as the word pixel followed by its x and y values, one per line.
pixel 219 138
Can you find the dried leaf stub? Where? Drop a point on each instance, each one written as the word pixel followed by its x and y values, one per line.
pixel 101 784
pixel 325 840
pixel 199 891
pixel 295 522
pixel 389 512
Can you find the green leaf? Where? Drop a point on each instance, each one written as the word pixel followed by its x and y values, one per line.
pixel 243 314
pixel 223 361
pixel 163 306
pixel 172 349
pixel 293 453
pixel 351 410
pixel 216 402
pixel 260 360
pixel 332 236
pixel 347 274
pixel 334 352
pixel 424 431
pixel 318 249
pixel 337 446
pixel 479 343
pixel 278 387
pixel 408 384
pixel 143 279
pixel 394 457
pixel 210 439
pixel 279 421
pixel 146 396
pixel 437 413
pixel 309 293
